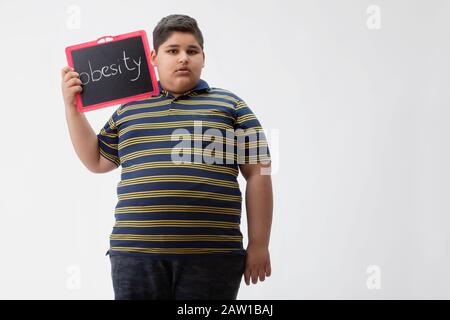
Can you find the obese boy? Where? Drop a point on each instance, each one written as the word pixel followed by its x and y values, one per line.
pixel 177 232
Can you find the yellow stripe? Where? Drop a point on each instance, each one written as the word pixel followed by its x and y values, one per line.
pixel 170 164
pixel 142 115
pixel 179 178
pixel 175 223
pixel 111 145
pixel 116 160
pixel 174 124
pixel 178 238
pixel 179 137
pixel 204 112
pixel 106 134
pixel 223 91
pixel 263 158
pixel 253 144
pixel 175 250
pixel 220 96
pixel 143 105
pixel 191 151
pixel 243 132
pixel 179 193
pixel 245 118
pixel 112 124
pixel 162 113
pixel 241 105
pixel 178 208
pixel 206 102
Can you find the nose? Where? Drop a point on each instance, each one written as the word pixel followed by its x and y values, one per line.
pixel 183 57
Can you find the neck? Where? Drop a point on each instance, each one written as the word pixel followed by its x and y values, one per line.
pixel 176 94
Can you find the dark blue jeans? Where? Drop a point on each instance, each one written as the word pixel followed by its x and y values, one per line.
pixel 197 278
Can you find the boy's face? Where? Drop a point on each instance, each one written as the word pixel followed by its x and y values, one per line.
pixel 180 51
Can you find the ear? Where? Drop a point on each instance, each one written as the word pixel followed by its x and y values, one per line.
pixel 153 57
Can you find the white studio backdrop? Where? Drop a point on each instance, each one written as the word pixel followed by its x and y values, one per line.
pixel 353 96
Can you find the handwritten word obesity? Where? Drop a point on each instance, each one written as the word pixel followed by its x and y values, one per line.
pixel 97 74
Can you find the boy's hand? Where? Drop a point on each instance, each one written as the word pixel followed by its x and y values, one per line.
pixel 257 263
pixel 70 85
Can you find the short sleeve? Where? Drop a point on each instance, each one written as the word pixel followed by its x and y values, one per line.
pixel 108 140
pixel 252 145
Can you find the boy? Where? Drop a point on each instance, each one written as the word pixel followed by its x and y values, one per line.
pixel 177 232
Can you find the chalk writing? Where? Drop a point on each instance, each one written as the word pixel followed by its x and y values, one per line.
pixel 113 69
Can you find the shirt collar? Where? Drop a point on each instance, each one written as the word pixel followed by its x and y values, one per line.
pixel 202 85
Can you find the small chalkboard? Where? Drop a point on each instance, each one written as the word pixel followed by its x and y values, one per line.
pixel 113 70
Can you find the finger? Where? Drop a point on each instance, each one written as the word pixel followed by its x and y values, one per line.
pixel 262 276
pixel 71 74
pixel 268 270
pixel 76 89
pixel 247 276
pixel 65 70
pixel 73 81
pixel 254 276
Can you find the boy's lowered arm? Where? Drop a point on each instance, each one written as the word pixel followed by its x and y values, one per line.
pixel 259 203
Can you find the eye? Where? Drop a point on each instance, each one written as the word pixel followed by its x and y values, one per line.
pixel 172 50
pixel 193 51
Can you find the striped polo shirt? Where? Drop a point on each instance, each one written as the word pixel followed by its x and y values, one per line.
pixel 178 195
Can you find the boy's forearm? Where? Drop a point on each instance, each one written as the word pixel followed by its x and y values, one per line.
pixel 259 205
pixel 84 139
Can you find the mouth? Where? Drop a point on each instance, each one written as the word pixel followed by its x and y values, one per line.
pixel 183 71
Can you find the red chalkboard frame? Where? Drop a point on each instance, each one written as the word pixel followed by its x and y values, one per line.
pixel 107 39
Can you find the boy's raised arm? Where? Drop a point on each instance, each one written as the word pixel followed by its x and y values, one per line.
pixel 83 137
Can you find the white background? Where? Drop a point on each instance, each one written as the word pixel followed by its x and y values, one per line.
pixel 363 156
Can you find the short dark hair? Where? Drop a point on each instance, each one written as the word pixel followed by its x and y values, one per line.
pixel 175 22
